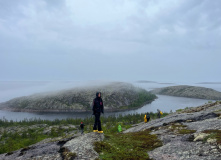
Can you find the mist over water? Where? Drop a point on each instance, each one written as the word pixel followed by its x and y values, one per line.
pixel 12 89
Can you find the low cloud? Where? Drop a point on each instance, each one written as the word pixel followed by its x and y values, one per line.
pixel 118 40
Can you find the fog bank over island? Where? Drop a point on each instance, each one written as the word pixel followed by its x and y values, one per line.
pixel 117 96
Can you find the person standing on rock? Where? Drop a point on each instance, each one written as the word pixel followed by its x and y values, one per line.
pixel 119 128
pixel 147 117
pixel 82 127
pixel 159 113
pixel 98 108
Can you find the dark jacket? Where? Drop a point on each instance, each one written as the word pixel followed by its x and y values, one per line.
pixel 82 126
pixel 98 106
pixel 148 115
pixel 158 113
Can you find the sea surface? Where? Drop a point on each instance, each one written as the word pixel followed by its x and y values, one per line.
pixel 12 89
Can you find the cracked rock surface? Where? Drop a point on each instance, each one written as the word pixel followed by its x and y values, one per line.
pixel 188 146
pixel 42 150
pixel 83 145
pixel 75 147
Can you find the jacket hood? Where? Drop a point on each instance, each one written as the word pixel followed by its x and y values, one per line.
pixel 97 94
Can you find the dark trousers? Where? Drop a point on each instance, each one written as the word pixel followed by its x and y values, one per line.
pixel 158 115
pixel 97 122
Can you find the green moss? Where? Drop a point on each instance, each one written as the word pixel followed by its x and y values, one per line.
pixel 102 146
pixel 127 146
pixel 66 154
pixel 71 155
pixel 214 134
pixel 181 129
pixel 186 131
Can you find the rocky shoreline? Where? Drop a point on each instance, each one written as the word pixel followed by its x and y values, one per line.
pixel 74 110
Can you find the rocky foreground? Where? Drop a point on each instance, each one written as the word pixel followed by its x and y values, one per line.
pixel 193 134
pixel 75 147
pixel 185 134
pixel 189 91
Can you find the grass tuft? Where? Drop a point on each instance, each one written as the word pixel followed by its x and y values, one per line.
pixel 186 131
pixel 127 146
pixel 181 129
pixel 214 134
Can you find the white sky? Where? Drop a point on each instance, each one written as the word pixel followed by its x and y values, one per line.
pixel 160 40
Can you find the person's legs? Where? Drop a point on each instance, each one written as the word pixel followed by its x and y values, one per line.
pixel 96 121
pixel 158 115
pixel 99 123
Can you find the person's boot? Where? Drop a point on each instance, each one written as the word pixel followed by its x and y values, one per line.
pixel 95 130
pixel 100 132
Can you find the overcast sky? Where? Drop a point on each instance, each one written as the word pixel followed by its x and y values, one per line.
pixel 159 40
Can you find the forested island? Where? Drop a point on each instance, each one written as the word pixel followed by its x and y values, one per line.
pixel 116 96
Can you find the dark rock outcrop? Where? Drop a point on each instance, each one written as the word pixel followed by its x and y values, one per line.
pixel 189 91
pixel 75 147
pixel 46 149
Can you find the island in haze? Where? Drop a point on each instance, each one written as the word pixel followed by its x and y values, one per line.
pixel 189 91
pixel 116 96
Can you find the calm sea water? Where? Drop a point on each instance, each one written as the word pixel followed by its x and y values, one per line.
pixel 10 90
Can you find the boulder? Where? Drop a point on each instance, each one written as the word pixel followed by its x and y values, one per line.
pixel 211 141
pixel 199 136
pixel 83 146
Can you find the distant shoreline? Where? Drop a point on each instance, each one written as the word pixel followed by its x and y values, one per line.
pixel 143 81
pixel 189 92
pixel 209 83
